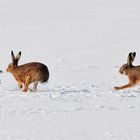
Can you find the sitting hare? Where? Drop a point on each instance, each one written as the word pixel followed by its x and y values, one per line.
pixel 133 72
pixel 26 74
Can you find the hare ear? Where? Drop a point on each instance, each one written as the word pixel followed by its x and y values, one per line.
pixel 134 54
pixel 17 58
pixel 12 56
pixel 131 57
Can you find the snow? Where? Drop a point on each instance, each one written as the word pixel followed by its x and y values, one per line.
pixel 83 43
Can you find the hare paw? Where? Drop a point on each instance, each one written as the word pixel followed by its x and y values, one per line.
pixel 117 88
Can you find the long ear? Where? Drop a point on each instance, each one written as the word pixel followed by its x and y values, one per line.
pixel 17 58
pixel 12 56
pixel 131 57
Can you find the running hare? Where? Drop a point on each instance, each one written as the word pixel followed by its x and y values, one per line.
pixel 133 72
pixel 26 74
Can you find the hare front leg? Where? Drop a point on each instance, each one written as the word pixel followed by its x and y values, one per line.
pixel 125 86
pixel 19 84
pixel 26 83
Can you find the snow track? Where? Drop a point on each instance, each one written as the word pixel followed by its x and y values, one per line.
pixel 81 111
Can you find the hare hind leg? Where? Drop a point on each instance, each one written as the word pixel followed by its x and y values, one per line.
pixel 26 83
pixel 125 86
pixel 35 86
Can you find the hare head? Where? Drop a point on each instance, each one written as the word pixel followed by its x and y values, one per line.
pixel 126 67
pixel 15 61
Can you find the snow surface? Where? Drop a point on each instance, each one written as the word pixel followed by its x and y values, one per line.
pixel 83 42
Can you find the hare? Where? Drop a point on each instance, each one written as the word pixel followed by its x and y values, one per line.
pixel 133 72
pixel 28 73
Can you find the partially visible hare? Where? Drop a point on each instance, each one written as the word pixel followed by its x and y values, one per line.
pixel 133 72
pixel 26 74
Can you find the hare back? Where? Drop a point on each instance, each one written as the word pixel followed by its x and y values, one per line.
pixel 135 71
pixel 37 71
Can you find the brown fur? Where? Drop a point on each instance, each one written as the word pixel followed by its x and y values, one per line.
pixel 133 72
pixel 26 74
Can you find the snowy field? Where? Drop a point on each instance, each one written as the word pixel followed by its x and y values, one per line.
pixel 83 43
